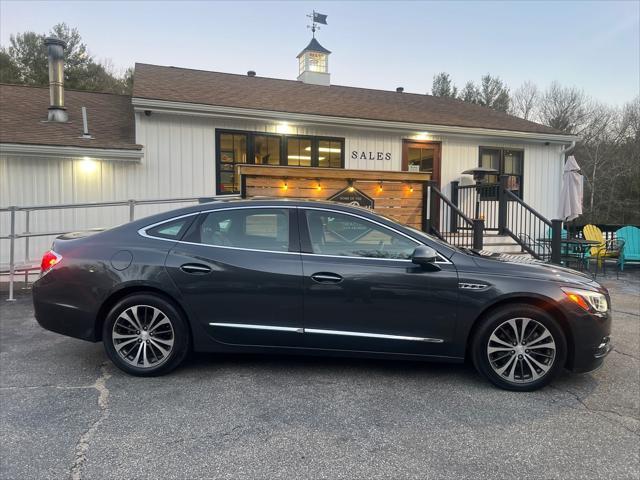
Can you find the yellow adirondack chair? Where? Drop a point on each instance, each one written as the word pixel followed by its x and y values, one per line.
pixel 602 250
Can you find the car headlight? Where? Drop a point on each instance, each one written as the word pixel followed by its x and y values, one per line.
pixel 588 300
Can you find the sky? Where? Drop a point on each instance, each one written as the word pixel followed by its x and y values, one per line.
pixel 384 44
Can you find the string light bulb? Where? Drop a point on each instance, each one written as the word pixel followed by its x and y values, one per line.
pixel 410 188
pixel 285 186
pixel 318 186
pixel 351 188
pixel 380 187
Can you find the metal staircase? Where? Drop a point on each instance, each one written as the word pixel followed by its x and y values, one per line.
pixel 492 218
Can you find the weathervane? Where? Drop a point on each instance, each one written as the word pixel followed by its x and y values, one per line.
pixel 315 19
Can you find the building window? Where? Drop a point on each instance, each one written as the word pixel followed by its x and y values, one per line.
pixel 506 162
pixel 266 149
pixel 233 148
pixel 330 153
pixel 299 152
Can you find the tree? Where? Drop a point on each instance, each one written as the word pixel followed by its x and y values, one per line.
pixel 443 86
pixel 470 93
pixel 493 93
pixel 524 101
pixel 564 108
pixel 27 56
pixel 9 72
pixel 608 154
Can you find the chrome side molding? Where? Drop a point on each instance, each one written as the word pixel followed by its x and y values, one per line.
pixel 258 327
pixel 327 332
pixel 372 335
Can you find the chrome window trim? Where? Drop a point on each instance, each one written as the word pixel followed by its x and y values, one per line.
pixel 143 232
pixel 444 259
pixel 326 332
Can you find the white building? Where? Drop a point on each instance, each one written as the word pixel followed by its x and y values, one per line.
pixel 182 131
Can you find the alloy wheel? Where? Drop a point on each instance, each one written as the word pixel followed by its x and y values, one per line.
pixel 521 350
pixel 143 336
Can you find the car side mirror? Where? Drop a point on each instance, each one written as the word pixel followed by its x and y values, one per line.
pixel 425 256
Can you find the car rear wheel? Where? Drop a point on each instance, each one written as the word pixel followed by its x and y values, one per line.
pixel 145 335
pixel 519 347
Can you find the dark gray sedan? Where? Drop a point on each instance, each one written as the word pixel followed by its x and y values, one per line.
pixel 307 277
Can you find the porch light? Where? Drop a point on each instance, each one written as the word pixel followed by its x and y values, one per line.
pixel 318 186
pixel 88 165
pixel 283 127
pixel 380 186
pixel 410 188
pixel 285 185
pixel 350 188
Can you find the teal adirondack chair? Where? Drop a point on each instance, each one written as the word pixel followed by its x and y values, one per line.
pixel 631 250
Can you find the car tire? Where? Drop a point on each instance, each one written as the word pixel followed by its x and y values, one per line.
pixel 146 335
pixel 519 347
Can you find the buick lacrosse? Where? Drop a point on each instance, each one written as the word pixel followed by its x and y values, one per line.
pixel 307 277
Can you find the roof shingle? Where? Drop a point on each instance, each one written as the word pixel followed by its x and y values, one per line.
pixel 290 96
pixel 24 113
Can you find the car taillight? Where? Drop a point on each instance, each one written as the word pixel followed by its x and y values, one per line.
pixel 49 260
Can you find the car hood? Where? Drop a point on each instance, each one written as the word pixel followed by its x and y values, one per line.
pixel 529 268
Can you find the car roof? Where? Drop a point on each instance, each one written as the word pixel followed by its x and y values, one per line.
pixel 270 201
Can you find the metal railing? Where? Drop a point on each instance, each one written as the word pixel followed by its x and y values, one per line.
pixel 27 234
pixel 449 223
pixel 478 201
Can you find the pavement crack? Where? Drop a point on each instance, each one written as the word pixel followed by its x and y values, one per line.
pixel 601 411
pixel 625 354
pixel 59 387
pixel 84 442
pixel 626 313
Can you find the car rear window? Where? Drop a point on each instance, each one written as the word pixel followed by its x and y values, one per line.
pixel 172 229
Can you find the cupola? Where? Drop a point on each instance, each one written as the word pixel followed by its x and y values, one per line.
pixel 313 64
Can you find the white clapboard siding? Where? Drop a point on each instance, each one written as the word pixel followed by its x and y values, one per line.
pixel 179 161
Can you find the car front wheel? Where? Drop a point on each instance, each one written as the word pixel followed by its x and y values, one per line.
pixel 145 335
pixel 519 347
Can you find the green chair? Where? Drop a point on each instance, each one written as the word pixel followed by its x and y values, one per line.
pixel 631 250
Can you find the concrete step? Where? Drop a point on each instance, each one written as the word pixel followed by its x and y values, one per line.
pixel 502 247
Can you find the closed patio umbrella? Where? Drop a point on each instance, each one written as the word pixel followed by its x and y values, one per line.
pixel 571 193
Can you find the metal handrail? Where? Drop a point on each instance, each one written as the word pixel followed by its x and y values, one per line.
pixel 14 209
pixel 515 198
pixel 453 207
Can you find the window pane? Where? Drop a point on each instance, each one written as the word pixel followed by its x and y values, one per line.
pixel 513 162
pixel 299 152
pixel 171 229
pixel 345 235
pixel 420 159
pixel 233 150
pixel 329 154
pixel 260 229
pixel 267 150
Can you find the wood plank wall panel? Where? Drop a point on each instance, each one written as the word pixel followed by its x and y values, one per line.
pixel 396 200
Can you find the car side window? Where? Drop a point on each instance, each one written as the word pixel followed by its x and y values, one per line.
pixel 257 229
pixel 345 235
pixel 171 230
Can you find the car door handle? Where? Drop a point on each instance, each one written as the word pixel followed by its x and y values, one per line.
pixel 195 268
pixel 326 277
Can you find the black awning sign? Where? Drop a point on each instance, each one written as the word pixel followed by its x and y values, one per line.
pixel 352 196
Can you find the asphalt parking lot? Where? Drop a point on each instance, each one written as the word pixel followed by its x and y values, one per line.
pixel 66 412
